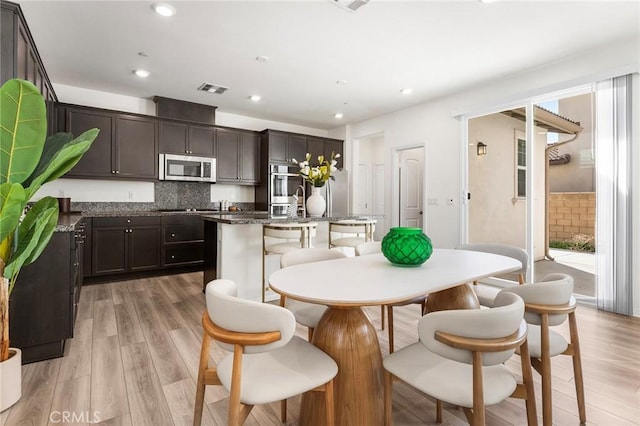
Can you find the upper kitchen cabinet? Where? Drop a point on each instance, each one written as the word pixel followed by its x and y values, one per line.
pixel 323 146
pixel 284 147
pixel 183 138
pixel 238 156
pixel 125 148
pixel 20 58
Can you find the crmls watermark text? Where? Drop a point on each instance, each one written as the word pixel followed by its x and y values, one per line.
pixel 74 417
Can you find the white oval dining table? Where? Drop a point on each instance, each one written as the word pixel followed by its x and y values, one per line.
pixel 345 332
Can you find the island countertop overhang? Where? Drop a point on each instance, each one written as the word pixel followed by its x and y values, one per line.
pixel 262 218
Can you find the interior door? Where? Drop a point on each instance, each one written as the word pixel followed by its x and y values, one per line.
pixel 363 191
pixel 411 175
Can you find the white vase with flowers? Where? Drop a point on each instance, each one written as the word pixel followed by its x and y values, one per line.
pixel 317 176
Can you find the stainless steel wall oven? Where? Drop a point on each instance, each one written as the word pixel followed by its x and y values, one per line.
pixel 283 183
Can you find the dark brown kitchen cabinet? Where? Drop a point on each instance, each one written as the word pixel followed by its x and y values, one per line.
pixel 125 244
pixel 44 300
pixel 183 240
pixel 125 148
pixel 20 58
pixel 337 146
pixel 136 153
pixel 182 138
pixel 284 147
pixel 97 162
pixel 324 146
pixel 238 156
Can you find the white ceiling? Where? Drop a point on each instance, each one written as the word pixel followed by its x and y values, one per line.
pixel 434 47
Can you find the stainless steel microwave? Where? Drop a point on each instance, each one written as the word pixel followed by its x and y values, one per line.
pixel 187 168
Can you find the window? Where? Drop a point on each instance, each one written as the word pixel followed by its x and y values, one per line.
pixel 521 165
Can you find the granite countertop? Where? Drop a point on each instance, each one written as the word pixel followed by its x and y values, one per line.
pixel 67 222
pixel 259 218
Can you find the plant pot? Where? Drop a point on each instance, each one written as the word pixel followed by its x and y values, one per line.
pixel 11 379
pixel 316 204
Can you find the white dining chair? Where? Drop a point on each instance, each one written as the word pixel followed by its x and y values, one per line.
pixel 549 303
pixel 486 290
pixel 307 314
pixel 375 247
pixel 266 361
pixel 459 359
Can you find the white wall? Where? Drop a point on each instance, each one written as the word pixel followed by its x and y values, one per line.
pixel 134 191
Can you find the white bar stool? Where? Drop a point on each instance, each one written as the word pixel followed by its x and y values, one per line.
pixel 280 238
pixel 359 230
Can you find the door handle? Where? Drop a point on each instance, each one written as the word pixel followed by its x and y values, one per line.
pixel 419 211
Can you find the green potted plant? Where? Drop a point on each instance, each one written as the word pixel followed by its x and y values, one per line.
pixel 28 159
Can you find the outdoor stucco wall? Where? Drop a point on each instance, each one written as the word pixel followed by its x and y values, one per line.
pixel 496 215
pixel 578 174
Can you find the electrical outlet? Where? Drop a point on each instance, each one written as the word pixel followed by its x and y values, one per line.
pixel 132 195
pixel 60 193
pixel 450 202
pixel 432 201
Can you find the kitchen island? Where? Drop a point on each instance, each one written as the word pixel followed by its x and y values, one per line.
pixel 233 248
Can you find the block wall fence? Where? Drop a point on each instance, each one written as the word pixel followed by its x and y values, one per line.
pixel 571 213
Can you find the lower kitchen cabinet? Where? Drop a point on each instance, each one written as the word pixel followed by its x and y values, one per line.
pixel 125 244
pixel 44 300
pixel 183 240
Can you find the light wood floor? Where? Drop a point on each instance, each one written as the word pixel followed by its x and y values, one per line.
pixel 134 357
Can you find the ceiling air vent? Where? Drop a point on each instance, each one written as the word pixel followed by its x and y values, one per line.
pixel 351 5
pixel 213 88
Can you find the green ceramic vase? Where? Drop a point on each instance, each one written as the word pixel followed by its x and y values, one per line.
pixel 404 246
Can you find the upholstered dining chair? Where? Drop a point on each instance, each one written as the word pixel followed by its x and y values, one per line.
pixel 487 291
pixel 307 314
pixel 375 247
pixel 459 359
pixel 547 304
pixel 371 247
pixel 266 363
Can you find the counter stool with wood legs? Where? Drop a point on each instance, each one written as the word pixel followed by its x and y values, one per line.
pixel 359 230
pixel 280 238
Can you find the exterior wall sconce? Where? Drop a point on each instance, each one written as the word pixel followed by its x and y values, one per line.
pixel 481 148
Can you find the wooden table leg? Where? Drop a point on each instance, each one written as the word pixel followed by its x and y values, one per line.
pixel 347 335
pixel 460 297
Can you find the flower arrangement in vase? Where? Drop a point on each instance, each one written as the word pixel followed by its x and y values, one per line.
pixel 317 176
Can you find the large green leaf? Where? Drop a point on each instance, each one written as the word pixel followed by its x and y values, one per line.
pixel 61 155
pixel 12 201
pixel 34 234
pixel 23 128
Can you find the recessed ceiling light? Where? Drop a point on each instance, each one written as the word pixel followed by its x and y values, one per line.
pixel 143 54
pixel 406 91
pixel 341 82
pixel 338 115
pixel 164 9
pixel 262 59
pixel 255 98
pixel 142 73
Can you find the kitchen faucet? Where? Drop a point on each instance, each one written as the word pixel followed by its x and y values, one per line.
pixel 304 202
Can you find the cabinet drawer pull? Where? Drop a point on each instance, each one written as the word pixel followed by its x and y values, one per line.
pixel 173 235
